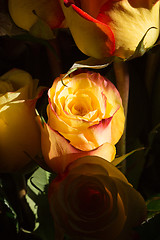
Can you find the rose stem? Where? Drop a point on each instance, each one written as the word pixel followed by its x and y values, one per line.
pixel 122 81
pixel 151 66
pixel 54 58
pixel 25 214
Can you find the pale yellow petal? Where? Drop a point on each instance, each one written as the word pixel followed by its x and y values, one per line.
pixel 22 12
pixel 129 24
pixel 19 136
pixel 22 83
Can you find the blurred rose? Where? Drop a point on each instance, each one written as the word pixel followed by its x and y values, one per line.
pixel 103 28
pixel 93 200
pixel 19 131
pixel 22 12
pixel 85 117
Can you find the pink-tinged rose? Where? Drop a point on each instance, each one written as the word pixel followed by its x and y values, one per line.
pixel 103 28
pixel 92 199
pixel 23 12
pixel 19 131
pixel 85 117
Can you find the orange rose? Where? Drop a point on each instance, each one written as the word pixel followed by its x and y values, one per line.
pixel 103 28
pixel 93 200
pixel 85 117
pixel 19 131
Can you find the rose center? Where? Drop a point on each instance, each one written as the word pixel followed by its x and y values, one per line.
pixel 91 200
pixel 80 109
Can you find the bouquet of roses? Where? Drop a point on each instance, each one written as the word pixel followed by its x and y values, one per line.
pixel 79 119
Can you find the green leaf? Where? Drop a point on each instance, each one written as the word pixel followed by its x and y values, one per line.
pixel 140 49
pixel 118 160
pixel 10 211
pixel 149 230
pixel 38 181
pixel 103 63
pixel 152 136
pixel 42 120
pixel 41 30
pixel 153 204
pixel 90 63
pixel 35 39
pixel 37 197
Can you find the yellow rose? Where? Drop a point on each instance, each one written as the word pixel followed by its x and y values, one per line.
pixel 92 200
pixel 103 28
pixel 19 131
pixel 22 12
pixel 85 117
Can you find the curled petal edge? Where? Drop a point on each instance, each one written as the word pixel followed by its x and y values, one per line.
pixel 58 153
pixel 104 32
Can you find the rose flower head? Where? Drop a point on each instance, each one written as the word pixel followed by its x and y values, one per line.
pixel 19 131
pixel 104 28
pixel 25 13
pixel 85 117
pixel 93 200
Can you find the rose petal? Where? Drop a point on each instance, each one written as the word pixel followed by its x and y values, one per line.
pixel 132 200
pixel 115 102
pixel 129 24
pixel 92 137
pixel 59 124
pixel 58 152
pixel 78 86
pixel 23 84
pixel 94 128
pixel 63 201
pixel 97 39
pixel 108 88
pixel 79 186
pixel 112 28
pixel 92 7
pixel 20 135
pixel 22 12
pixel 111 170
